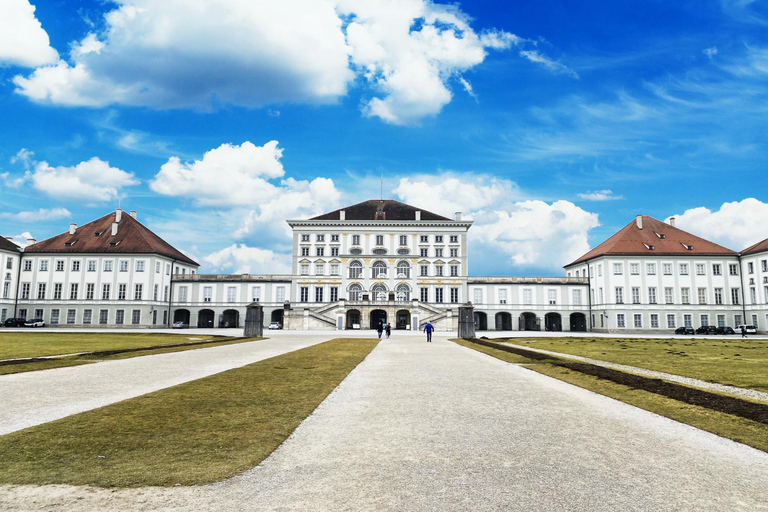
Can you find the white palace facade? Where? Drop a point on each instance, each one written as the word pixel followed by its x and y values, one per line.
pixel 384 260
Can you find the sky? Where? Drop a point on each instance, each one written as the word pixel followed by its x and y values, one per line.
pixel 550 124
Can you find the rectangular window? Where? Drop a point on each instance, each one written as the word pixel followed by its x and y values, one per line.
pixel 438 253
pixel 454 270
pixel 320 251
pixel 25 290
pixel 89 289
pixel 319 269
pixel 334 293
pixel 552 296
pixel 671 321
pixel 717 269
pixel 54 316
pixel 87 313
pixel 438 270
pixel 737 320
pixel 667 268
pixel 454 239
pixel 105 292
pixel 157 267
pixel 155 292
pixel 527 296
pixel 718 295
pixel 751 267
pixel 355 239
pixel 669 295
pixel 620 320
pixel 103 316
pixel 424 239
pixel 119 316
pixel 280 294
pixel 231 293
pixel 304 294
pixel 764 264
pixel 108 266
pixel 700 269
pixel 735 296
pixel 438 239
pixel 76 266
pixel 652 295
pixel 138 290
pixel 59 265
pixel 379 239
pixel 617 269
pixel 439 295
pixel 634 269
pixel 9 264
pixel 600 270
pixel 305 238
pixel 733 269
pixel 57 288
pixel 502 296
pixel 207 293
pixel 140 266
pixel 27 266
pixel 71 314
pixel 638 320
pixel 255 293
pixel 650 269
pixel 6 290
pixel 334 251
pixel 123 265
pixel 478 293
pixel 576 297
pixel 702 292
pixel 685 295
pixel 704 319
pixel 753 295
pixel 167 269
pixel 334 238
pixel 654 321
pixel 136 316
pixel 635 295
pixel 454 295
pixel 335 269
pixel 355 272
pixel 44 266
pixel 454 253
pixel 721 320
pixel 619 295
pixel 688 320
pixel 40 291
pixel 23 314
pixel 183 290
pixel 424 270
pixel 305 251
pixel 424 294
pixel 165 296
pixel 683 269
pixel 318 294
pixel 304 269
pixel 403 240
pixel 424 252
pixel 320 238
pixel 73 291
pixel 121 291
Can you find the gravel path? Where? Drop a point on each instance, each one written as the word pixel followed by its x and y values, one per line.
pixel 688 381
pixel 33 398
pixel 437 426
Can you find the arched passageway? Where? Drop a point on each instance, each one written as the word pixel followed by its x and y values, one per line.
pixel 230 318
pixel 277 316
pixel 181 315
pixel 378 315
pixel 402 319
pixel 205 318
pixel 553 322
pixel 353 319
pixel 481 321
pixel 578 322
pixel 503 321
pixel 529 322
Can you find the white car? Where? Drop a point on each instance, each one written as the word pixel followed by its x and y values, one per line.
pixel 274 325
pixel 749 329
pixel 35 322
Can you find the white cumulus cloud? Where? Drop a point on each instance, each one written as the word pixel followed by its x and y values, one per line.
pixel 38 215
pixel 23 41
pixel 736 225
pixel 92 181
pixel 241 259
pixel 22 240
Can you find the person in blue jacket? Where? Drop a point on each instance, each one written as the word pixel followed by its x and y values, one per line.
pixel 429 329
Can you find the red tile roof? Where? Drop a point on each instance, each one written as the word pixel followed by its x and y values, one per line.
pixel 393 210
pixel 665 240
pixel 96 237
pixel 758 247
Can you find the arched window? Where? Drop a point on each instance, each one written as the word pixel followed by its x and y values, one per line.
pixel 379 270
pixel 403 270
pixel 355 292
pixel 379 293
pixel 355 270
pixel 403 292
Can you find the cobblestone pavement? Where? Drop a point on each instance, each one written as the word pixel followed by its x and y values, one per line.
pixel 436 426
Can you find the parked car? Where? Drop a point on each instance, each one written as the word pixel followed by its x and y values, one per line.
pixel 707 329
pixel 15 322
pixel 274 325
pixel 180 325
pixel 725 330
pixel 684 330
pixel 751 329
pixel 35 322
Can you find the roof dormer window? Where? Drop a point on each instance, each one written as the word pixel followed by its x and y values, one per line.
pixel 688 247
pixel 114 244
pixel 71 243
pixel 649 247
pixel 661 235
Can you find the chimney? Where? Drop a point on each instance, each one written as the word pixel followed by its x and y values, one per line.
pixel 418 214
pixel 672 221
pixel 639 221
pixel 72 228
pixel 458 216
pixel 342 215
pixel 118 215
pixel 31 241
pixel 133 213
pixel 114 227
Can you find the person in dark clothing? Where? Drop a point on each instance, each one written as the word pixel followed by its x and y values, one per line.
pixel 388 330
pixel 429 329
pixel 743 332
pixel 380 328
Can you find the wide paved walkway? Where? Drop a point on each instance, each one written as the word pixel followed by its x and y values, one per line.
pixel 420 426
pixel 32 398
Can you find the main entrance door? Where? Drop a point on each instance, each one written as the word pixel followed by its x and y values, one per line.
pixel 376 316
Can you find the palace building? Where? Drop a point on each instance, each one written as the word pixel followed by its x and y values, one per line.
pixel 383 260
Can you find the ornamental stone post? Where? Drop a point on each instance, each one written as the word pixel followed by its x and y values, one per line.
pixel 254 325
pixel 466 321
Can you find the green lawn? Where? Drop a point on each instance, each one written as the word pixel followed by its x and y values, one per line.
pixel 33 343
pixel 727 360
pixel 195 433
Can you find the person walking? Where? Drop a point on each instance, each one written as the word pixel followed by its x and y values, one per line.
pixel 743 332
pixel 428 329
pixel 380 328
pixel 388 330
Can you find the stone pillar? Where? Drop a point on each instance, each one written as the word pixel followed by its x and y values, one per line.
pixel 466 321
pixel 254 325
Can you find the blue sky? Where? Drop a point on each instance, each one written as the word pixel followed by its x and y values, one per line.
pixel 550 124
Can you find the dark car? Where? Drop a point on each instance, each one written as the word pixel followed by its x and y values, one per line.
pixel 725 330
pixel 706 329
pixel 684 330
pixel 15 322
